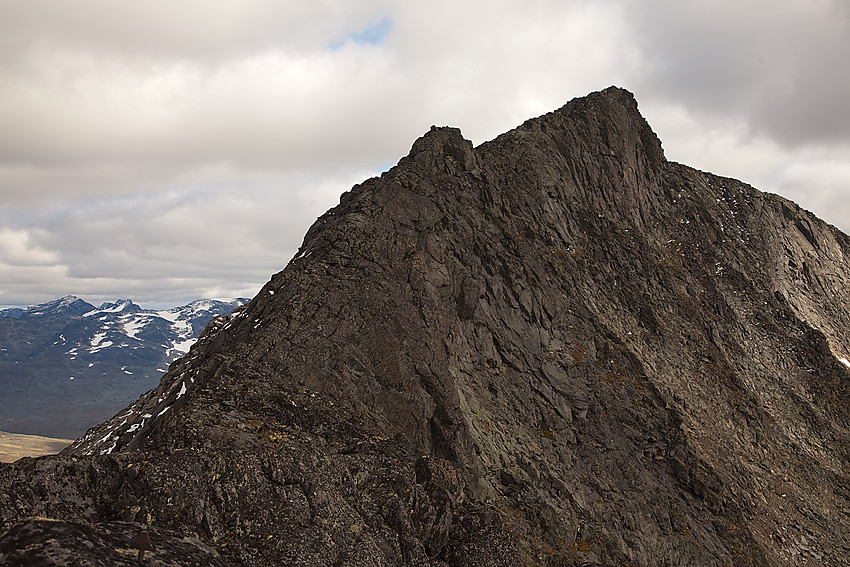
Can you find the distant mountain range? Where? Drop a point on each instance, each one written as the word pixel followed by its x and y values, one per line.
pixel 66 364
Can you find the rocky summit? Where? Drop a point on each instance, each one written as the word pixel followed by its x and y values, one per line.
pixel 556 348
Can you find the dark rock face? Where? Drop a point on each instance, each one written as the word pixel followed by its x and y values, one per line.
pixel 556 348
pixel 39 541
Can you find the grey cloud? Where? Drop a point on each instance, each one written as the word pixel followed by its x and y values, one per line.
pixel 179 245
pixel 778 65
pixel 172 153
pixel 189 30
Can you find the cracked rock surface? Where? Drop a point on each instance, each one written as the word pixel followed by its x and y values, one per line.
pixel 556 348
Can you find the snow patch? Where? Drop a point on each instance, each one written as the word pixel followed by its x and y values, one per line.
pixel 169 315
pixel 131 328
pixel 183 346
pixel 98 344
pixel 118 307
pixel 845 362
pixel 182 328
pixel 107 344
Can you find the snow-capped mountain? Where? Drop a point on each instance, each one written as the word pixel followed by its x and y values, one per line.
pixel 66 364
pixel 68 305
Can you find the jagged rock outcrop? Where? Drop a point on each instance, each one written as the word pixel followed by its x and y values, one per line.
pixel 556 348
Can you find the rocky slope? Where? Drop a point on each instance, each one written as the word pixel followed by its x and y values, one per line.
pixel 556 348
pixel 66 365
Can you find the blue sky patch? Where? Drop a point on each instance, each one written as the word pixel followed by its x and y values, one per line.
pixel 370 35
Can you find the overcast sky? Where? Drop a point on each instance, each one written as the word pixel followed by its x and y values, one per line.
pixel 166 151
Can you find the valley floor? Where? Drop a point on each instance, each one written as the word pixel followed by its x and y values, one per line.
pixel 14 446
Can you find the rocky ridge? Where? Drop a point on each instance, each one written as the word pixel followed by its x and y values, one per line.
pixel 555 348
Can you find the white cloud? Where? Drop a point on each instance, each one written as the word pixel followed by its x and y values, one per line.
pixel 166 248
pixel 168 152
pixel 18 249
pixel 776 64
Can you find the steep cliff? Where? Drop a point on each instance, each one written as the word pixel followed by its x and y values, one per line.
pixel 556 348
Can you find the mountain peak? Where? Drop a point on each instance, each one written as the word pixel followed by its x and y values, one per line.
pixel 611 120
pixel 119 305
pixel 69 304
pixel 443 147
pixel 555 348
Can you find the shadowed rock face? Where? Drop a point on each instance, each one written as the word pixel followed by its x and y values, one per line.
pixel 41 541
pixel 556 348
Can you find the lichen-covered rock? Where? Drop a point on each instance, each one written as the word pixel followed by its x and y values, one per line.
pixel 42 542
pixel 556 348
